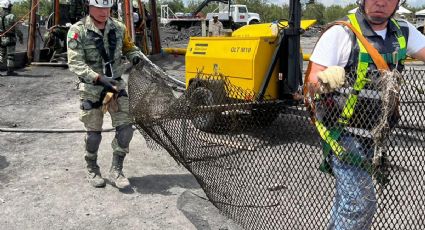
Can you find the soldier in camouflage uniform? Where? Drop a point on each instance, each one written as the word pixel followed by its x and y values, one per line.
pixel 8 38
pixel 95 46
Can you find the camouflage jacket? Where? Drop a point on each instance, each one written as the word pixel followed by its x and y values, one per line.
pixel 7 20
pixel 83 57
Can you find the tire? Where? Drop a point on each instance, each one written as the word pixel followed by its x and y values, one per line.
pixel 204 94
pixel 252 22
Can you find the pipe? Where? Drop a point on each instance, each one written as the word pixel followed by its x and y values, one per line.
pixel 57 12
pixel 17 130
pixel 128 18
pixel 32 29
pixel 143 28
pixel 156 41
pixel 53 64
pixel 178 51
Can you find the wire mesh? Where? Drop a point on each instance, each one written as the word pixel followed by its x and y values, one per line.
pixel 258 161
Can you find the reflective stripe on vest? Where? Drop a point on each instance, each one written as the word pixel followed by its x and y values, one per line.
pixel 330 137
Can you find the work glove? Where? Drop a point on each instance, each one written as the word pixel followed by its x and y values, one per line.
pixel 110 103
pixel 331 78
pixel 107 82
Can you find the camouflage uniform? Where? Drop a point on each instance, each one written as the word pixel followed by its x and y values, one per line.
pixel 8 40
pixel 86 61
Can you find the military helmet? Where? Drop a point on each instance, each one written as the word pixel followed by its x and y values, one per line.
pixel 101 3
pixel 5 4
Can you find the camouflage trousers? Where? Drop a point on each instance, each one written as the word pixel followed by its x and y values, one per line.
pixel 93 118
pixel 7 53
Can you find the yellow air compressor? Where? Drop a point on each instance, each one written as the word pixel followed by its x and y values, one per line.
pixel 264 59
pixel 242 58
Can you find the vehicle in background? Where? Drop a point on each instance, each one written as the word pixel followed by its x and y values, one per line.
pixel 232 16
pixel 238 14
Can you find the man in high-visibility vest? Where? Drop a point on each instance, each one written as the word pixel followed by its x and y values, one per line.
pixel 339 52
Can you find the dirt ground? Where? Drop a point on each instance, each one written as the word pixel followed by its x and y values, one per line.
pixel 42 175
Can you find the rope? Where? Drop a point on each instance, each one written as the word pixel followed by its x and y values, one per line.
pixel 37 130
pixel 22 18
pixel 17 130
pixel 388 84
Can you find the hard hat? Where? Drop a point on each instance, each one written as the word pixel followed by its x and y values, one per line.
pixel 361 5
pixel 101 3
pixel 5 4
pixel 136 4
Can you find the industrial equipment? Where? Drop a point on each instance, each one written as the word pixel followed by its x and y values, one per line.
pixel 231 15
pixel 264 59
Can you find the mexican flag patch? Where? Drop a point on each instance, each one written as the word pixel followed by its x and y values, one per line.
pixel 73 35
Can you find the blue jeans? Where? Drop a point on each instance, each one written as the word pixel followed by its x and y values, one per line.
pixel 355 200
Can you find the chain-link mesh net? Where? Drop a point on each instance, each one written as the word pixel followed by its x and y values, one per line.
pixel 258 161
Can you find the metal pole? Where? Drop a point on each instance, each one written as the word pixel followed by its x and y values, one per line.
pixel 204 28
pixel 128 18
pixel 293 52
pixel 143 28
pixel 31 32
pixel 156 42
pixel 57 12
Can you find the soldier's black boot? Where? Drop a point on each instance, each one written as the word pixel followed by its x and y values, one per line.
pixel 93 173
pixel 11 72
pixel 115 174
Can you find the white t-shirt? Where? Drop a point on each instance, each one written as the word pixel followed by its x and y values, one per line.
pixel 334 47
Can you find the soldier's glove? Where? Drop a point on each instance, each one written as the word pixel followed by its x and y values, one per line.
pixel 331 78
pixel 107 82
pixel 136 60
pixel 110 103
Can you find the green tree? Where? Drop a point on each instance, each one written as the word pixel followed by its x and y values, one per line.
pixel 175 5
pixel 274 12
pixel 192 5
pixel 22 8
pixel 45 7
pixel 333 13
pixel 315 11
pixel 350 7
